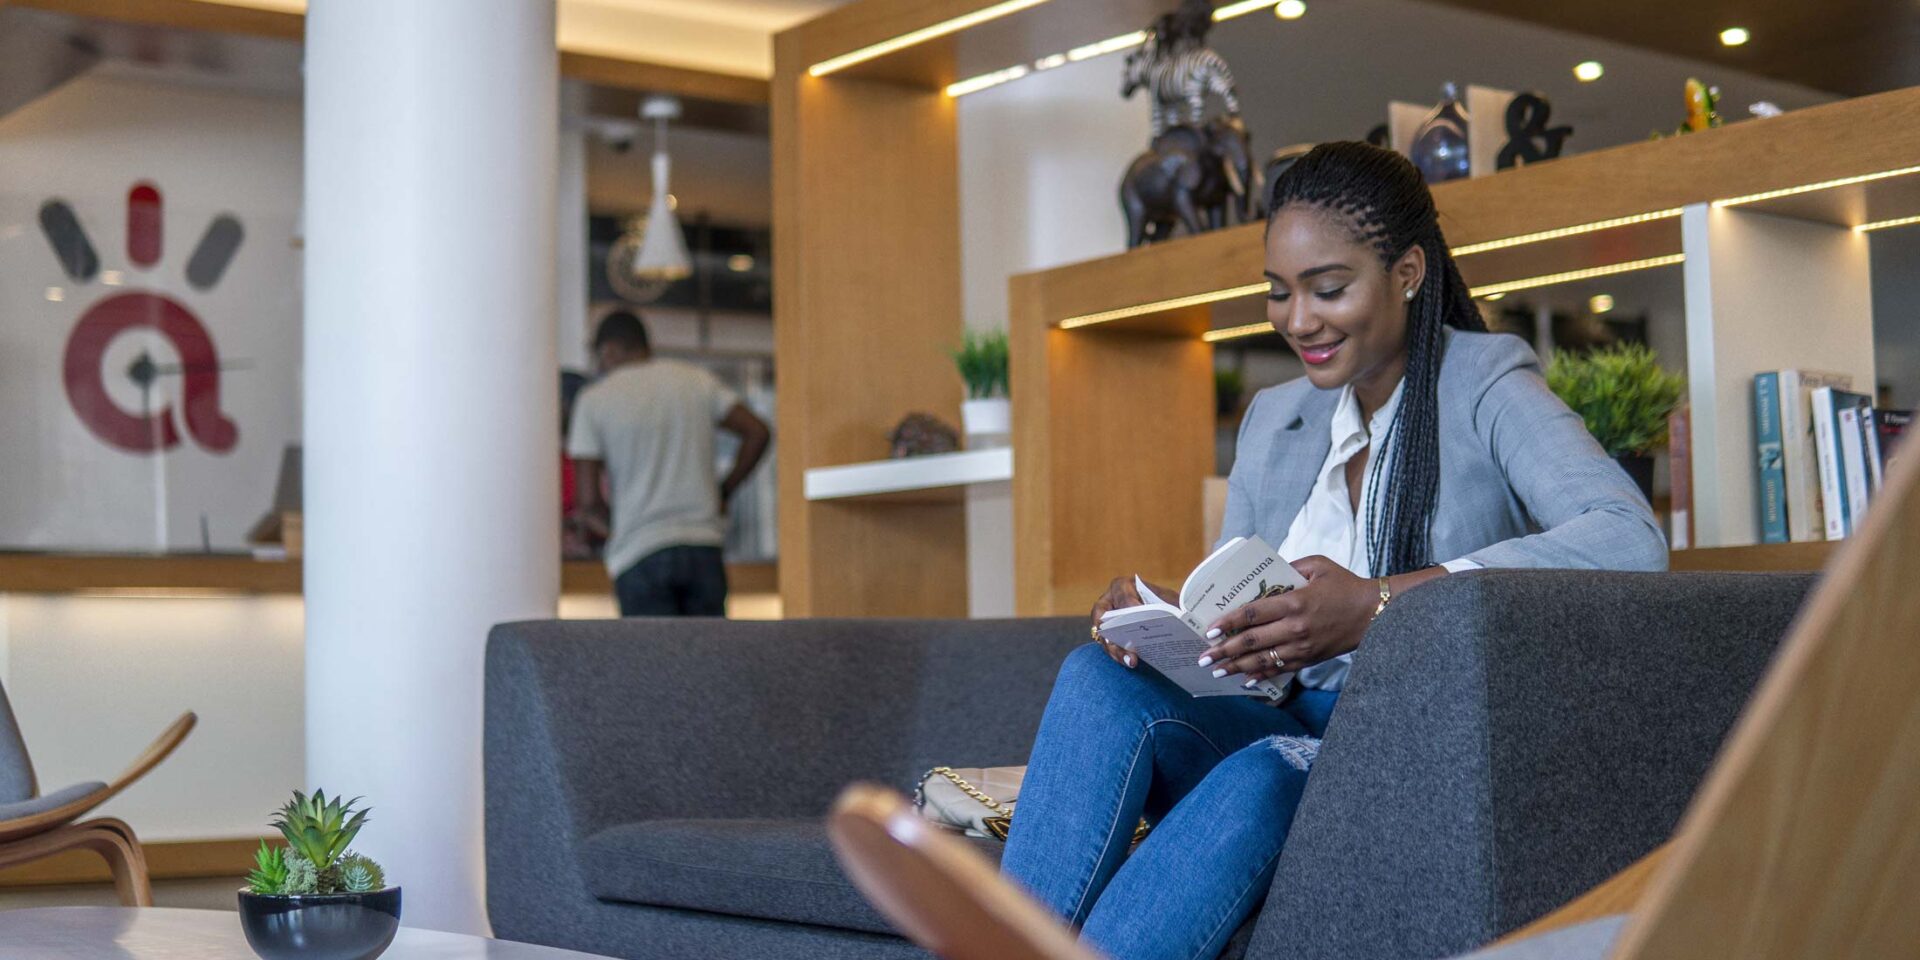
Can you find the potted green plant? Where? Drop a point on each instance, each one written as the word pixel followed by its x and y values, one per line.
pixel 1228 386
pixel 314 898
pixel 982 362
pixel 1624 397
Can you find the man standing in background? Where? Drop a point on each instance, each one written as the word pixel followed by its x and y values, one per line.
pixel 649 425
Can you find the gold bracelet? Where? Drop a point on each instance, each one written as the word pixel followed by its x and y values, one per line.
pixel 1386 595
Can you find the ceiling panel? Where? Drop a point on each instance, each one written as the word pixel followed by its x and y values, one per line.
pixel 1847 47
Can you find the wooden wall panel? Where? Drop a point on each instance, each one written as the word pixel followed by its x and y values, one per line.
pixel 867 305
pixel 1112 444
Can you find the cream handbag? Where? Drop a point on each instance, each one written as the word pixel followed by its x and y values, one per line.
pixel 977 801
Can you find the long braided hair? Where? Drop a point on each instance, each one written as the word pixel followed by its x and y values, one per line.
pixel 1385 202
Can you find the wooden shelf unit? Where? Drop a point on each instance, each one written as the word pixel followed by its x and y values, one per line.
pixel 1851 138
pixel 1761 558
pixel 865 255
pixel 1071 380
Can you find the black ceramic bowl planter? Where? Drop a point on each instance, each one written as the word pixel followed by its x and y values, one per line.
pixel 329 926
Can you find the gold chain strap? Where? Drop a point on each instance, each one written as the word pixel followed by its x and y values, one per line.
pixel 971 791
pixel 999 825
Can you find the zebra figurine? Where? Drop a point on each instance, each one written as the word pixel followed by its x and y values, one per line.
pixel 1178 79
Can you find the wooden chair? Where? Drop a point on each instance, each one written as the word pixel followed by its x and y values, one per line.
pixel 1804 841
pixel 34 826
pixel 942 895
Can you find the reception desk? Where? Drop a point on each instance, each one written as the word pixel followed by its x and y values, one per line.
pixel 98 653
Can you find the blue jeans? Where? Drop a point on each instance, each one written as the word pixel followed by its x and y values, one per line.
pixel 1219 778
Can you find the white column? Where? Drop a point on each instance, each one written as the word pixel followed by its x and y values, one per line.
pixel 430 408
pixel 1764 292
pixel 571 240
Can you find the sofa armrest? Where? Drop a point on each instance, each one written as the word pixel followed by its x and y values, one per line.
pixel 1508 739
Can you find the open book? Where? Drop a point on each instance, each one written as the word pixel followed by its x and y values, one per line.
pixel 1171 638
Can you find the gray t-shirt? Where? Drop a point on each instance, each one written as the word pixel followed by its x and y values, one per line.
pixel 653 425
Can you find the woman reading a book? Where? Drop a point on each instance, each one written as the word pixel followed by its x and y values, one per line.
pixel 1417 445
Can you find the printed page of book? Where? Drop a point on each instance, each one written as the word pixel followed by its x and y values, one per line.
pixel 1171 639
pixel 1164 642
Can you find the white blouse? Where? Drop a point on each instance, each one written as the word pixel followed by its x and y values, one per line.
pixel 1329 526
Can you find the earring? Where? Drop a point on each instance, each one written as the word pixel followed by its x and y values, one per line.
pixel 1410 293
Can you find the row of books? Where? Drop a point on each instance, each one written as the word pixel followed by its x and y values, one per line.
pixel 1822 452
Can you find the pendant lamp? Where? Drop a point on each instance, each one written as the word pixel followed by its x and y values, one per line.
pixel 662 257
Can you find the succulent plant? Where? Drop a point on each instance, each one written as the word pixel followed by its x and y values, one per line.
pixel 360 874
pixel 319 829
pixel 269 873
pixel 302 876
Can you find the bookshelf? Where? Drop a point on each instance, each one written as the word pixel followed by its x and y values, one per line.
pixel 1760 216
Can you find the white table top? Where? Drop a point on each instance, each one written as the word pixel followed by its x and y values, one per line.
pixel 130 933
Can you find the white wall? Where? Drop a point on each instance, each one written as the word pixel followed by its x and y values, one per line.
pixel 210 151
pixel 1040 165
pixel 94 679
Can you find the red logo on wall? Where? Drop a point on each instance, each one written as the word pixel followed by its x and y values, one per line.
pixel 145 430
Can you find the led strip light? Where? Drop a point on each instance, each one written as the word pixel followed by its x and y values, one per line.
pixel 1810 187
pixel 1125 41
pixel 1884 224
pixel 1491 291
pixel 922 35
pixel 1573 231
pixel 1215 296
pixel 1235 333
pixel 1589 273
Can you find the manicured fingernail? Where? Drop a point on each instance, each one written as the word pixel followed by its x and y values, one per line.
pixel 1129 659
pixel 1211 634
pixel 1220 672
pixel 1249 684
pixel 1205 660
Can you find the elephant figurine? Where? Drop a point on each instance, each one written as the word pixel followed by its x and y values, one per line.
pixel 1196 177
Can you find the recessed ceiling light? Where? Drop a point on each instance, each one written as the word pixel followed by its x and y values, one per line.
pixel 1734 36
pixel 1600 302
pixel 1587 71
pixel 1290 9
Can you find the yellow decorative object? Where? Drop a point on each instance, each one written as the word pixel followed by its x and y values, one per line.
pixel 1702 106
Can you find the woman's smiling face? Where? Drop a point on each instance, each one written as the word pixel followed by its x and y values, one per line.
pixel 1340 309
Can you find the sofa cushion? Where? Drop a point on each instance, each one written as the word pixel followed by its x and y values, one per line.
pixel 769 869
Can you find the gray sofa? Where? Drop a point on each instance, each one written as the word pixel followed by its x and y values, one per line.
pixel 1507 740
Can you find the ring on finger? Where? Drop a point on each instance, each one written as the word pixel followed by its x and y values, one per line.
pixel 1273 657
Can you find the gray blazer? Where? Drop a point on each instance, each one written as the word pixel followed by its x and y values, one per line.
pixel 1522 482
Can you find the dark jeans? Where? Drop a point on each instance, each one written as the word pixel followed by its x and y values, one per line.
pixel 674 582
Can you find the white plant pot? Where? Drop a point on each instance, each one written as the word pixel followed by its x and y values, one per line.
pixel 988 422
